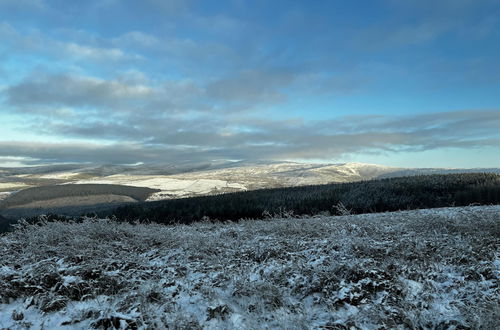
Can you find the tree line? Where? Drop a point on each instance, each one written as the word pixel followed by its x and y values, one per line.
pixel 402 193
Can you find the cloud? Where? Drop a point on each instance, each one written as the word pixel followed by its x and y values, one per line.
pixel 204 139
pixel 164 79
pixel 35 42
pixel 81 152
pixel 95 53
pixel 252 87
pixel 133 92
pixel 138 38
pixel 72 91
pixel 41 92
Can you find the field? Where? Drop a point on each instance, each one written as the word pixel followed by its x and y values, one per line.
pixel 169 187
pixel 435 268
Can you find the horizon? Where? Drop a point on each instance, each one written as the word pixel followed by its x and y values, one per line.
pixel 243 163
pixel 411 84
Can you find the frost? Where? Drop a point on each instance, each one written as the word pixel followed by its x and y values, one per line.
pixel 417 269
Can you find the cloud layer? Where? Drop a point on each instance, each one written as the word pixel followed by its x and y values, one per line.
pixel 203 139
pixel 165 81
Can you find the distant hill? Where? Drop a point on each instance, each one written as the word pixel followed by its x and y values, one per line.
pixel 250 175
pixel 173 181
pixel 379 195
pixel 428 171
pixel 71 199
pixel 392 194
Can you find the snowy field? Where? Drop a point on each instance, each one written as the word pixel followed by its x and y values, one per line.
pixel 201 182
pixel 170 188
pixel 238 179
pixel 4 194
pixel 435 269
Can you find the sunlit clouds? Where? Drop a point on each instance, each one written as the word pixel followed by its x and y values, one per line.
pixel 167 81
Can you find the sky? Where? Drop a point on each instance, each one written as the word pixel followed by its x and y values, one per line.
pixel 413 83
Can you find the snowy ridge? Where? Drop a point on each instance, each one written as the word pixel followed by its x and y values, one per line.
pixel 205 179
pixel 427 268
pixel 241 178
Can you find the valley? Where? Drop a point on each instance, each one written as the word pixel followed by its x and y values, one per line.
pixel 179 181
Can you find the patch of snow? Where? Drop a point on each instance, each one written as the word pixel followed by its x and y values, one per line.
pixel 169 187
pixel 13 185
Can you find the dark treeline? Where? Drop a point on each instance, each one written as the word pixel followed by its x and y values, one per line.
pixel 73 190
pixel 392 194
pixel 5 224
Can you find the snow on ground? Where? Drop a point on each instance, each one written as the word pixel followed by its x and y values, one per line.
pixel 291 174
pixel 12 185
pixel 246 176
pixel 415 269
pixel 169 187
pixel 243 178
pixel 5 194
pixel 60 175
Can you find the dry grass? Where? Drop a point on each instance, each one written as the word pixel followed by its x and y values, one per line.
pixel 417 269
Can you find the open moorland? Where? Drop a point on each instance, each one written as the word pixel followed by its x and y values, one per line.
pixel 433 269
pixel 189 180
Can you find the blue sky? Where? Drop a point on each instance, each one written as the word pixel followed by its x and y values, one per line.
pixel 403 83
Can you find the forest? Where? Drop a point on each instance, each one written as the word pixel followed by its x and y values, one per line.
pixel 72 190
pixel 382 195
pixel 393 194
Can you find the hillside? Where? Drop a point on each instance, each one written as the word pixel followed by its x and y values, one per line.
pixel 194 180
pixel 358 197
pixel 70 199
pixel 177 181
pixel 189 180
pixel 434 269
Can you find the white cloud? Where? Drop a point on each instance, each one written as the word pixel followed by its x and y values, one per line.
pixel 94 53
pixel 139 138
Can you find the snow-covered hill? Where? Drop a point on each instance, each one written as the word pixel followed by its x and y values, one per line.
pixel 176 181
pixel 435 268
pixel 245 177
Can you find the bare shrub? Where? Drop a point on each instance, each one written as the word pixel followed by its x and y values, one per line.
pixel 341 209
pixel 419 269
